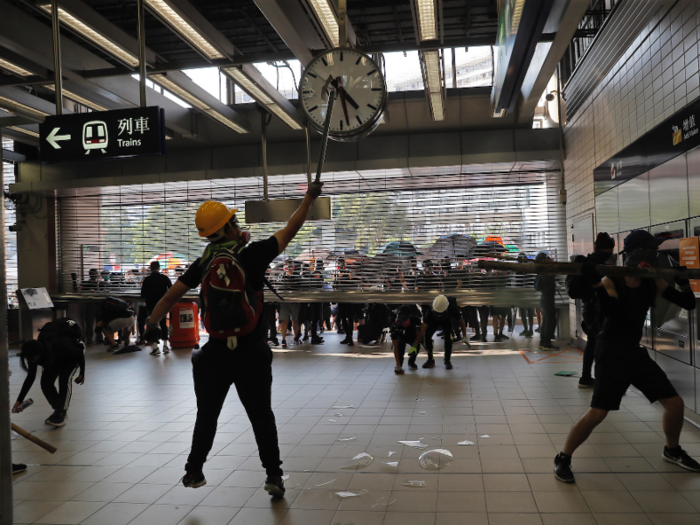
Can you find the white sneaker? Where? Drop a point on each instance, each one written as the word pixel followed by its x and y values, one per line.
pixel 398 369
pixel 166 350
pixel 155 350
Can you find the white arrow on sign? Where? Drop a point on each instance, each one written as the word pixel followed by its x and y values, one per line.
pixel 53 138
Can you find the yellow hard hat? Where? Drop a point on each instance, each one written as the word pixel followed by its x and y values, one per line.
pixel 211 217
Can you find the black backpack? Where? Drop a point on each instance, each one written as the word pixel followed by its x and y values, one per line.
pixel 61 327
pixel 576 285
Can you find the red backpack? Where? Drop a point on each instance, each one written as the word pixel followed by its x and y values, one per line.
pixel 231 307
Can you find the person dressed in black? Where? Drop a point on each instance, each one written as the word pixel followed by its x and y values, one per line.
pixel 546 284
pixel 403 332
pixel 60 351
pixel 245 361
pixel 154 287
pixel 91 285
pixel 444 309
pixel 592 317
pixel 620 361
pixel 115 317
pixel 316 280
pixel 344 280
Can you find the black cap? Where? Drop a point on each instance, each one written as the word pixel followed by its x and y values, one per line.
pixel 639 239
pixel 604 242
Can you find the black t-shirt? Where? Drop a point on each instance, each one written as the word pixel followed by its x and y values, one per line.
pixel 453 312
pixel 255 258
pixel 154 288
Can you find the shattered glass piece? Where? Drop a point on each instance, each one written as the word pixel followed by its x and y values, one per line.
pixel 394 464
pixel 485 436
pixel 349 438
pixel 435 459
pixel 379 502
pixel 338 414
pixel 414 483
pixel 326 483
pixel 361 460
pixel 285 477
pixel 466 442
pixel 437 438
pixel 332 420
pixel 414 444
pixel 391 453
pixel 423 413
pixel 343 406
pixel 352 494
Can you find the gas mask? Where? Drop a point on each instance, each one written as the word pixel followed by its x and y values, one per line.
pixel 642 259
pixel 244 237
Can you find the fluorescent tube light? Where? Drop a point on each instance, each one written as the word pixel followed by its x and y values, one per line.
pixel 188 97
pixel 25 131
pixel 255 91
pixel 79 99
pixel 427 19
pixel 326 16
pixel 18 107
pixel 184 29
pixel 433 79
pixel 93 36
pixel 12 68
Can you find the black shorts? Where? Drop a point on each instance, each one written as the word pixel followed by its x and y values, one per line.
pixel 613 378
pixel 500 310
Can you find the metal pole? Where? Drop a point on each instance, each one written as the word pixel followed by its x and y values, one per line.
pixel 562 191
pixel 5 434
pixel 57 72
pixel 264 155
pixel 308 154
pixel 454 68
pixel 142 51
pixel 324 139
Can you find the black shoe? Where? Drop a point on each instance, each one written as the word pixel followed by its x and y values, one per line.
pixel 305 338
pixel 275 486
pixel 350 343
pixel 448 365
pixel 430 363
pixel 194 480
pixel 476 337
pixel 586 382
pixel 497 338
pixel 316 340
pixel 681 458
pixel 412 364
pixel 274 342
pixel 57 419
pixel 346 341
pixel 483 338
pixel 537 330
pixel 284 343
pixel 529 334
pixel 340 331
pixel 504 337
pixel 562 468
pixel 18 467
pixel 548 347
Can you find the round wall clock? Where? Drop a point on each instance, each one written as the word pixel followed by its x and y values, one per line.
pixel 361 93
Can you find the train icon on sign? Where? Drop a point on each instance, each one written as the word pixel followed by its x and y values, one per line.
pixel 95 136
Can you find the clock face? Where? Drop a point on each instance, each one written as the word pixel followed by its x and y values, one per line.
pixel 360 93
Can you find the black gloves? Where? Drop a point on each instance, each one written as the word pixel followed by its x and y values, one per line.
pixel 314 190
pixel 589 272
pixel 152 333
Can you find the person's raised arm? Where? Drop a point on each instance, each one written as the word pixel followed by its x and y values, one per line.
pixel 171 297
pixel 296 221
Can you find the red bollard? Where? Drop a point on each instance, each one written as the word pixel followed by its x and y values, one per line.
pixel 184 325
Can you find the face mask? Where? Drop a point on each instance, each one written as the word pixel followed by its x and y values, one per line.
pixel 244 237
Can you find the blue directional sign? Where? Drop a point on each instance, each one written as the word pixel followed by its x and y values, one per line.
pixel 103 135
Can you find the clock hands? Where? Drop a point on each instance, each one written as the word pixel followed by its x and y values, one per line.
pixel 350 100
pixel 339 85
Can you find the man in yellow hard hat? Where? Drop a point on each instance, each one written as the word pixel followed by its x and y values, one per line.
pixel 225 360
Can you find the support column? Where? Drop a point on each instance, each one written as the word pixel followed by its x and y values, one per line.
pixel 142 52
pixel 57 71
pixel 5 432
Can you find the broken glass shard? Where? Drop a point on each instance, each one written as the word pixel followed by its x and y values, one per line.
pixel 435 459
pixel 361 460
pixel 343 406
pixel 414 444
pixel 349 438
pixel 352 494
pixel 414 483
pixel 465 443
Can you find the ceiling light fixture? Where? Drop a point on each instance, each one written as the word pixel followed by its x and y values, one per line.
pixel 184 29
pixel 18 107
pixel 12 68
pixel 79 99
pixel 85 31
pixel 255 91
pixel 433 79
pixel 188 97
pixel 326 16
pixel 426 11
pixel 28 132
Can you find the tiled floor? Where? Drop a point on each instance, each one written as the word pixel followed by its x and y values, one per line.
pixel 121 456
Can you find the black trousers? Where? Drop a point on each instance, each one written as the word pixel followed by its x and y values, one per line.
pixel 549 324
pixel 326 316
pixel 92 315
pixel 270 319
pixel 345 312
pixel 315 316
pixel 527 315
pixel 591 328
pixel 471 318
pixel 64 372
pixel 428 339
pixel 215 368
pixel 163 323
pixel 141 320
pixel 484 319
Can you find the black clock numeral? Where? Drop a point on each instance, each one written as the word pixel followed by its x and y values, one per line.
pixel 341 125
pixel 315 107
pixel 372 72
pixel 311 74
pixel 376 89
pixel 359 120
pixel 324 61
pixel 358 60
pixel 341 56
pixel 371 106
pixel 307 91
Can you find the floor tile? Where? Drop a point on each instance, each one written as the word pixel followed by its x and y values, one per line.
pixel 71 512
